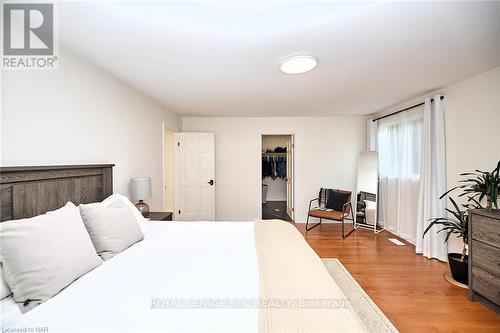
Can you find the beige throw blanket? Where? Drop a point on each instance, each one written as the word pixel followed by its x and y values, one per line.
pixel 296 291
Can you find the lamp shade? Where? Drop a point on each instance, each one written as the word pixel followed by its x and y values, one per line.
pixel 140 188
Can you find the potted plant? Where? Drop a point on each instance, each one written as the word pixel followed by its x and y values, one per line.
pixel 480 184
pixel 456 225
pixel 477 186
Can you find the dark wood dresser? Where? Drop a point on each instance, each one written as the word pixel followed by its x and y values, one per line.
pixel 484 257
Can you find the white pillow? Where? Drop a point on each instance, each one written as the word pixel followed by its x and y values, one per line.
pixel 44 254
pixel 117 200
pixel 4 288
pixel 111 229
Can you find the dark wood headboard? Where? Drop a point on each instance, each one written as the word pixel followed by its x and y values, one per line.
pixel 34 190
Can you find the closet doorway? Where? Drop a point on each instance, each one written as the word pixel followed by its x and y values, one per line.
pixel 277 177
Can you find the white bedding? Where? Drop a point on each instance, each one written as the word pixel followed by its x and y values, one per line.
pixel 175 260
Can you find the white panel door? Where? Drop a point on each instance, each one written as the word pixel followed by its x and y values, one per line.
pixel 196 177
pixel 289 177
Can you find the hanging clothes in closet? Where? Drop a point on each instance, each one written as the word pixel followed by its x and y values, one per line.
pixel 273 166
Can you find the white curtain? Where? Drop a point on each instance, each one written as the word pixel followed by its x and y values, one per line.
pixel 432 181
pixel 400 147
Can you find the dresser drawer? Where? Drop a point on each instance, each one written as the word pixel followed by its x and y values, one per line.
pixel 486 257
pixel 485 229
pixel 486 284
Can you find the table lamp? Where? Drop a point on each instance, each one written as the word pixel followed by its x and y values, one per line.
pixel 140 190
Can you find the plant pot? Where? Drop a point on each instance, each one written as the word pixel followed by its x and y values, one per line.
pixel 459 270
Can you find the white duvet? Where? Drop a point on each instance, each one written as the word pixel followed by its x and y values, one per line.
pixel 176 260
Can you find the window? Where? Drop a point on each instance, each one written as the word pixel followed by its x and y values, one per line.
pixel 400 145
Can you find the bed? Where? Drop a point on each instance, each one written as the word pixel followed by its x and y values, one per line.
pixel 184 276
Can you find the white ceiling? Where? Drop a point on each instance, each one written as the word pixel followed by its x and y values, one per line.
pixel 222 59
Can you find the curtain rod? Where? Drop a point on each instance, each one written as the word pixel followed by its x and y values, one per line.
pixel 406 109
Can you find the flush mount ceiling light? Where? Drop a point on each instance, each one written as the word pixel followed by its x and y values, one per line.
pixel 298 64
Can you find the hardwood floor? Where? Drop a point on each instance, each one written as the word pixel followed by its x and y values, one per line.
pixel 408 288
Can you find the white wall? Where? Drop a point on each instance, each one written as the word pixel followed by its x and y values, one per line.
pixel 79 114
pixel 472 125
pixel 326 150
pixel 276 188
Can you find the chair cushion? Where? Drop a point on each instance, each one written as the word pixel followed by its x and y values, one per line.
pixel 324 214
pixel 337 199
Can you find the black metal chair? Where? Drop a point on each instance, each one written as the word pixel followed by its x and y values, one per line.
pixel 333 215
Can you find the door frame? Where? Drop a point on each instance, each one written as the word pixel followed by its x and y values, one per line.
pixel 177 191
pixel 164 180
pixel 294 139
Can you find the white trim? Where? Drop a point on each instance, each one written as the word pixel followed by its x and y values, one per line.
pixel 164 180
pixel 260 174
pixel 163 127
pixel 175 215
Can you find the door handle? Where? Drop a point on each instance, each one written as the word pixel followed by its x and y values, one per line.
pixel 211 182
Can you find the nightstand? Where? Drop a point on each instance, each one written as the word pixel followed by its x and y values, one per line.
pixel 160 216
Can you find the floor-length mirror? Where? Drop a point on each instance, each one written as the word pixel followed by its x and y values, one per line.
pixel 367 190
